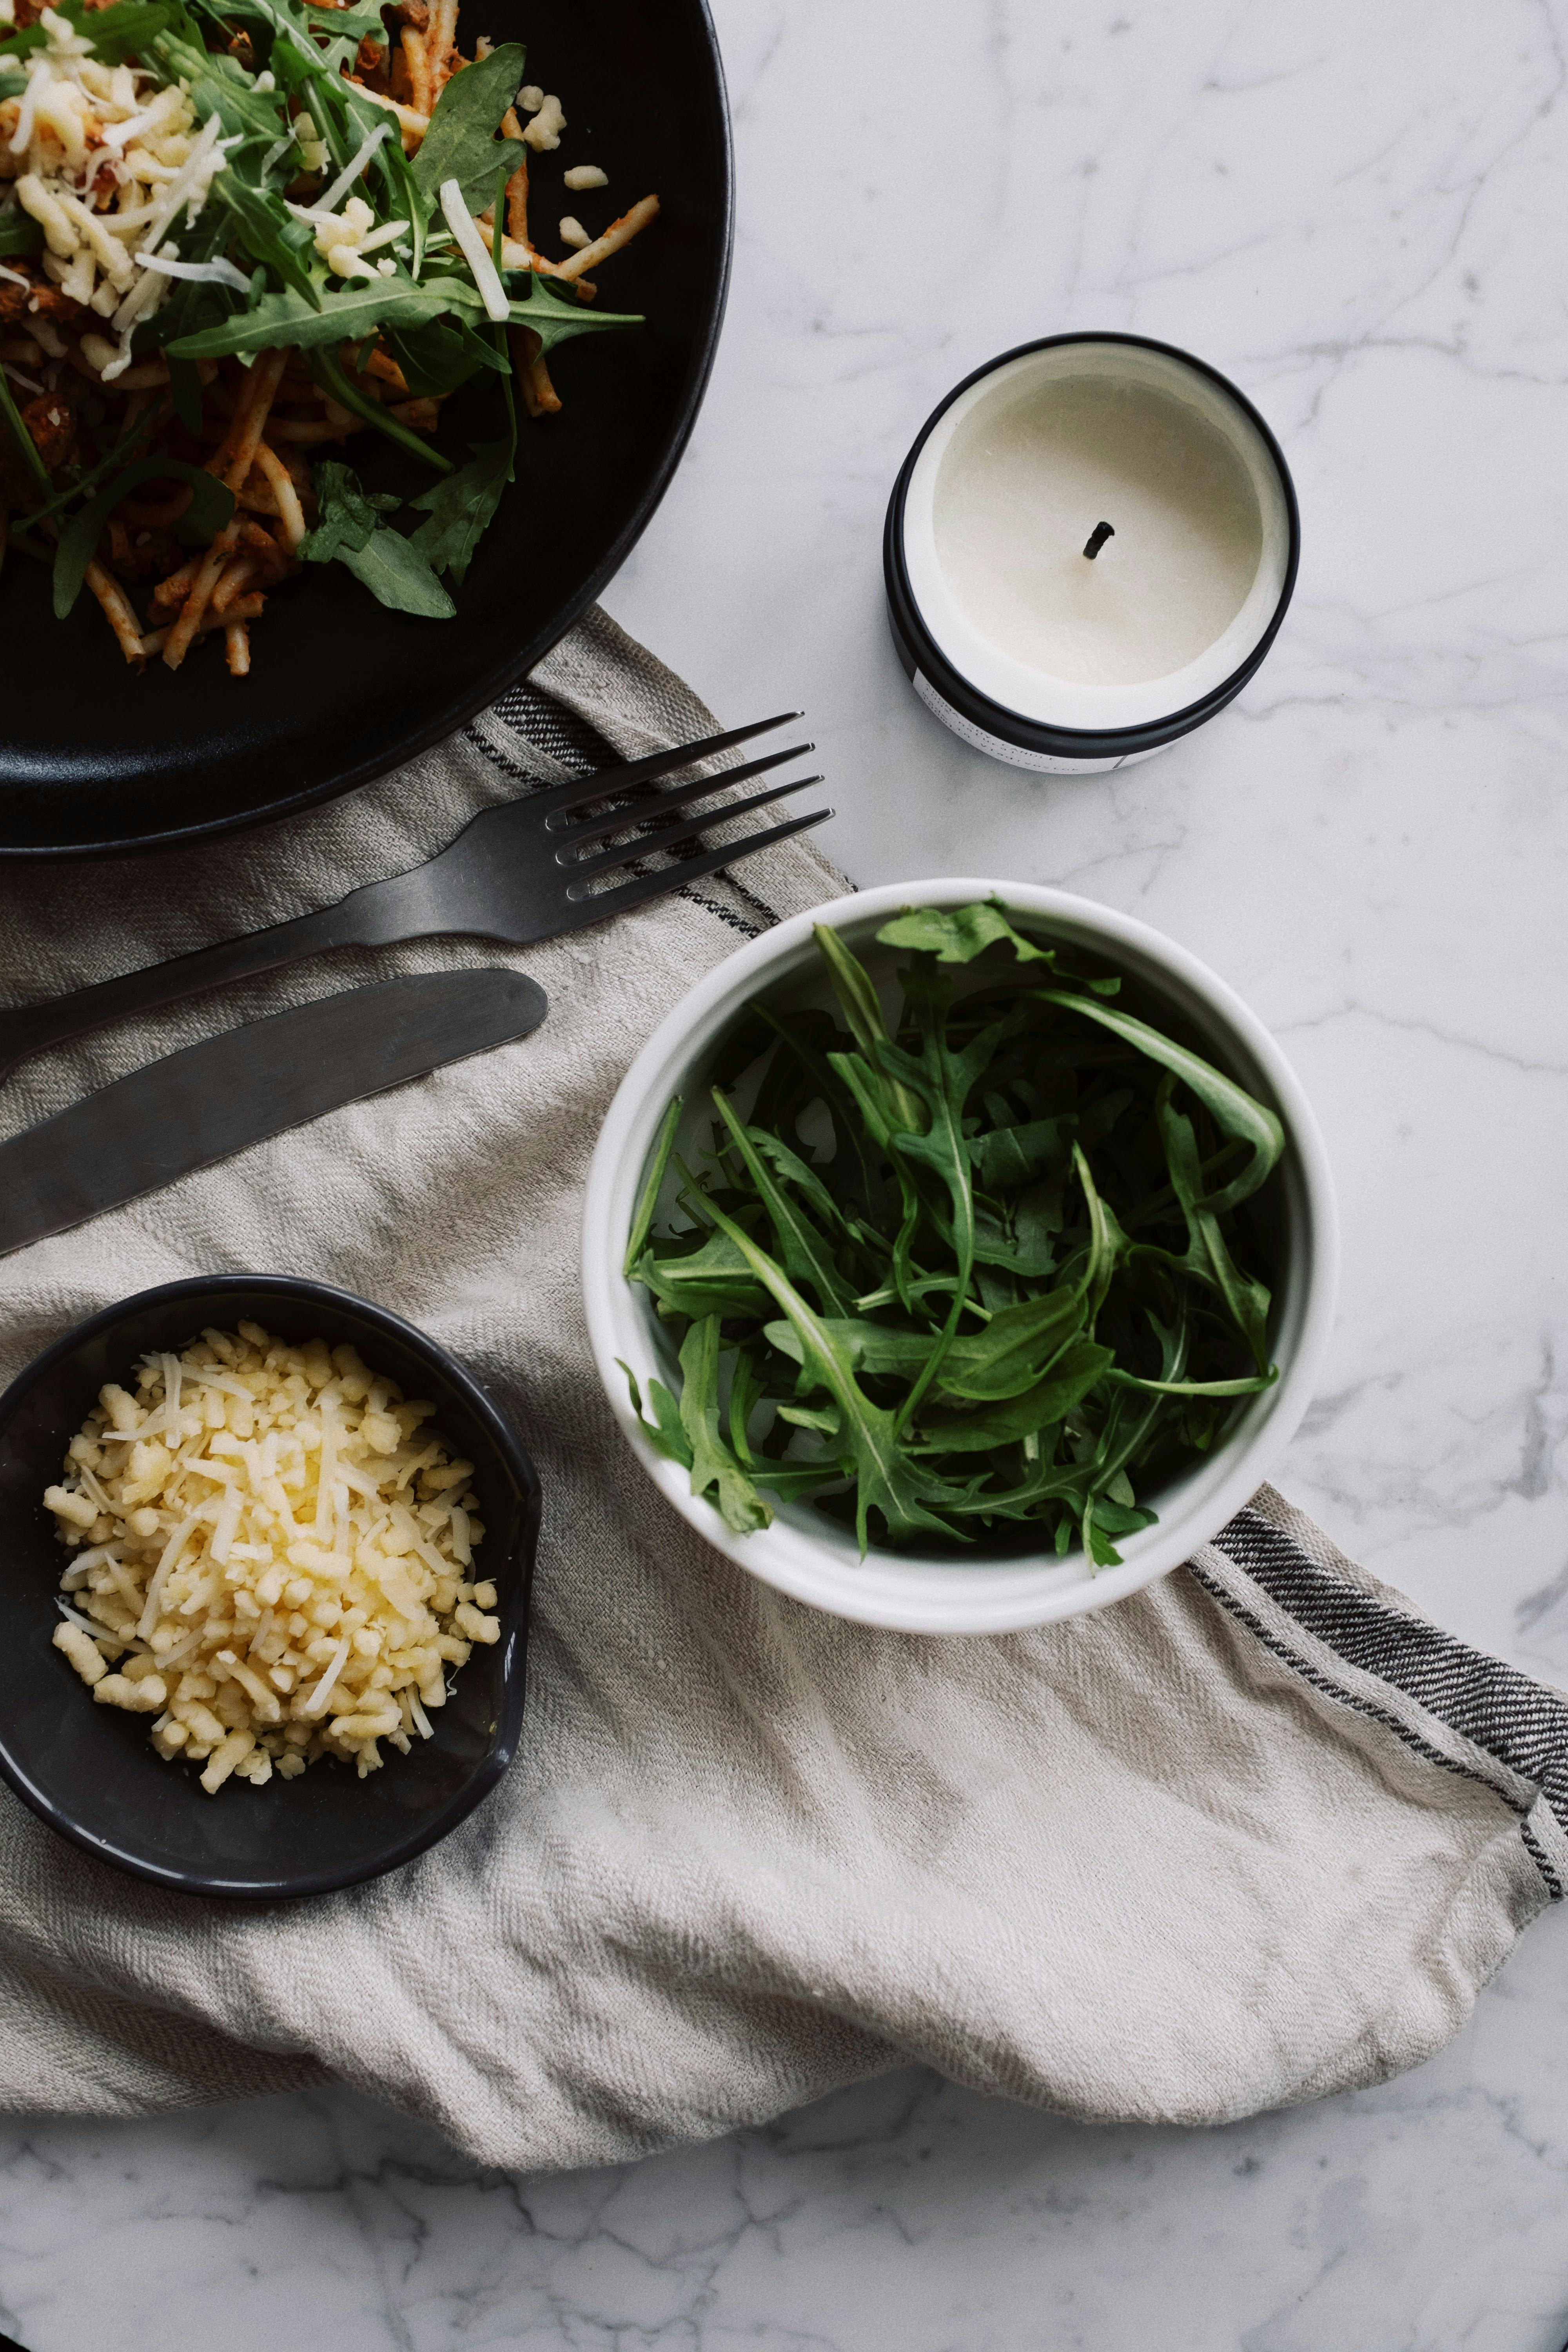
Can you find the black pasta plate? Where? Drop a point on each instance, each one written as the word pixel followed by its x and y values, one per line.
pixel 96 760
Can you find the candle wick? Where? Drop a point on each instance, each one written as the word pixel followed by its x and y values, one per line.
pixel 1096 539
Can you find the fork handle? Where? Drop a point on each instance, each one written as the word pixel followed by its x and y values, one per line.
pixel 27 1029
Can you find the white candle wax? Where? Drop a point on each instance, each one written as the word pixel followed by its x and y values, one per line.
pixel 1020 490
pixel 1010 484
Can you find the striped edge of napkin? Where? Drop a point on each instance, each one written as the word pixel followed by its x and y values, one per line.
pixel 1359 1644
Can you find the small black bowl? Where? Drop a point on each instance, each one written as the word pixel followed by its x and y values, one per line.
pixel 91 1772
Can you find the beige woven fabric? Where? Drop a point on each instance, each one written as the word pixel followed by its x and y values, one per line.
pixel 1253 1836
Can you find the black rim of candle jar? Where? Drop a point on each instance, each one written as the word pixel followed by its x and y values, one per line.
pixel 921 654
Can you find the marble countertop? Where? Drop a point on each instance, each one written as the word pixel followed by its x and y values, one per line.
pixel 1356 214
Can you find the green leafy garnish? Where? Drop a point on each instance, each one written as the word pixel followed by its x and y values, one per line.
pixel 117 33
pixel 330 317
pixel 351 532
pixel 958 934
pixel 439 356
pixel 461 510
pixel 329 373
pixel 364 305
pixel 461 142
pixel 555 318
pixel 1012 1295
pixel 19 231
pixel 25 445
pixel 269 234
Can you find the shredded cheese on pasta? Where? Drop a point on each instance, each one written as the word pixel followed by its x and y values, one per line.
pixel 105 171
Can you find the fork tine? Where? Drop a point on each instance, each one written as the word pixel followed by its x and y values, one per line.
pixel 636 893
pixel 579 789
pixel 643 812
pixel 690 828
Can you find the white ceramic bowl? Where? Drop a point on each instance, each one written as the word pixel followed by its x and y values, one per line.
pixel 803 1553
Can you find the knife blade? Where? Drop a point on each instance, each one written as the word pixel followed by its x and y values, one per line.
pixel 210 1101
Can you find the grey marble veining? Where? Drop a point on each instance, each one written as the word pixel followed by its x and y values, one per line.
pixel 1357 213
pixel 902 2216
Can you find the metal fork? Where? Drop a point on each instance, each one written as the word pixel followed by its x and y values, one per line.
pixel 516 873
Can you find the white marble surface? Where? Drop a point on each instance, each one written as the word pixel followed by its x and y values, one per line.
pixel 1357 213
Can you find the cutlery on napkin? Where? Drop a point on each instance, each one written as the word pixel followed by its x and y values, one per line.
pixel 212 1099
pixel 522 872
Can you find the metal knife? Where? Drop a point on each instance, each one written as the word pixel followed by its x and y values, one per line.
pixel 216 1099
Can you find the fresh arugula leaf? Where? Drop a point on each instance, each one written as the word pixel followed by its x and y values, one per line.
pixel 351 532
pixel 712 1465
pixel 825 1419
pixel 440 355
pixel 122 31
pixel 666 1433
pixel 348 512
pixel 653 1176
pixel 1005 1157
pixel 714 1279
pixel 25 445
pixel 269 232
pixel 745 1395
pixel 282 27
pixel 352 23
pixel 1234 1111
pixel 1245 1300
pixel 327 371
pixel 398 576
pixel 461 142
pixel 1252 1385
pixel 1017 1347
pixel 874 1349
pixel 1076 1371
pixel 360 309
pixel 19 231
pixel 958 934
pixel 808 1254
pixel 790 1166
pixel 554 318
pixel 1019 1238
pixel 217 84
pixel 210 510
pixel 461 510
pixel 867 1023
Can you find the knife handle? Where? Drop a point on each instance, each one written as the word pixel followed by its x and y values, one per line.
pixel 27 1029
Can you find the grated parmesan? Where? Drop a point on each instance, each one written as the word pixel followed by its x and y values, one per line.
pixel 82 131
pixel 476 251
pixel 543 131
pixel 273 1555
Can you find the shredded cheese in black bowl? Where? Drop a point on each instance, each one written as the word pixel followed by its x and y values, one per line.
pixel 256 1526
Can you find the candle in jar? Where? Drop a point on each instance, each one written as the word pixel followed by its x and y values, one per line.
pixel 1097 541
pixel 1020 490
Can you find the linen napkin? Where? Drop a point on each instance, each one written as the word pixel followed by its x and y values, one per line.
pixel 1256 1833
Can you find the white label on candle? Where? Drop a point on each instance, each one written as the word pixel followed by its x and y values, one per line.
pixel 1043 763
pixel 1022 485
